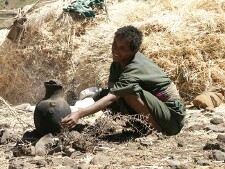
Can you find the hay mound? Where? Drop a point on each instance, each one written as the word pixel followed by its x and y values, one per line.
pixel 186 38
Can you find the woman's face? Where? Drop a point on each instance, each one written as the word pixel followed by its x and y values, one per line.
pixel 121 51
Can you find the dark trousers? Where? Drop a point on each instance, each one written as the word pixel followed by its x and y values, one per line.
pixel 119 106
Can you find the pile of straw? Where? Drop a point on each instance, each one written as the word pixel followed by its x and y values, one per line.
pixel 186 38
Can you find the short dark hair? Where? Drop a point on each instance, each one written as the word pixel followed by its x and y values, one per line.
pixel 133 35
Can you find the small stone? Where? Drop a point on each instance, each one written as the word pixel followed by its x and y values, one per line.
pixel 32 150
pixel 41 163
pixel 42 146
pixel 196 127
pixel 216 120
pixel 212 146
pixel 108 167
pixel 74 135
pixel 219 129
pixel 83 145
pixel 173 163
pixel 180 144
pixel 36 158
pixel 67 161
pixel 129 153
pixel 75 154
pixel 186 166
pixel 16 165
pixel 8 136
pixel 84 166
pixel 57 161
pixel 146 143
pixel 55 150
pixel 4 125
pixel 100 159
pixel 59 154
pixel 210 109
pixel 218 155
pixel 221 138
pixel 69 151
pixel 203 162
pixel 207 113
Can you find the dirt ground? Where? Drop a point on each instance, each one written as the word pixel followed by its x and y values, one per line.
pixel 108 143
pixel 114 142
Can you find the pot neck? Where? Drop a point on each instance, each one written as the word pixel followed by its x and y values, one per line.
pixel 52 91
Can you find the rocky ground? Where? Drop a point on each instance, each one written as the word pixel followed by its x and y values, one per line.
pixel 110 144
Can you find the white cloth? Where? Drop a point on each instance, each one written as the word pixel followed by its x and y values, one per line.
pixel 80 104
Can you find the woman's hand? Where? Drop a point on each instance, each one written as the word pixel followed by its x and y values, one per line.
pixel 70 121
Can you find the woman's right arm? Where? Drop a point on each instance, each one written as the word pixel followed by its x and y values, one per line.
pixel 71 120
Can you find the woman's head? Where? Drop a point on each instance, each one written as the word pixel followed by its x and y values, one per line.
pixel 126 44
pixel 132 35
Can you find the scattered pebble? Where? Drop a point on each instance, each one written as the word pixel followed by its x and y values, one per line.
pixel 203 162
pixel 41 163
pixel 42 146
pixel 173 163
pixel 84 165
pixel 196 127
pixel 8 136
pixel 100 159
pixel 218 155
pixel 180 144
pixel 221 138
pixel 4 125
pixel 57 161
pixel 216 120
pixel 16 165
pixel 212 146
pixel 217 128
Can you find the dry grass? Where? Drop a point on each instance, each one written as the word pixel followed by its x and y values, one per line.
pixel 14 113
pixel 186 38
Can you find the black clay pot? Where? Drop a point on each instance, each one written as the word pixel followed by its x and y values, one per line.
pixel 51 109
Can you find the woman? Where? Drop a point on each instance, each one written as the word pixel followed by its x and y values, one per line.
pixel 138 85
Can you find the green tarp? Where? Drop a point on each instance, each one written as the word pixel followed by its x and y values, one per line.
pixel 83 7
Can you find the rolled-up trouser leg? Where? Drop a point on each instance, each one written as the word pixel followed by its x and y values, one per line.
pixel 161 112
